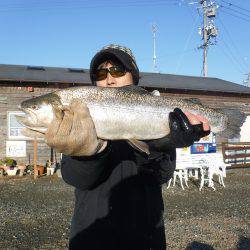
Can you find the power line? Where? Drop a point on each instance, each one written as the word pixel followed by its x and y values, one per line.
pixel 238 12
pixel 235 16
pixel 237 6
pixel 166 56
pixel 235 64
pixel 53 2
pixel 79 4
pixel 234 45
pixel 233 56
pixel 186 45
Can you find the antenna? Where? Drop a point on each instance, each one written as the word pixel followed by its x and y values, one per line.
pixel 154 30
pixel 247 81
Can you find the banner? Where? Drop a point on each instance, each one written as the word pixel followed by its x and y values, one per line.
pixel 204 145
pixel 15 149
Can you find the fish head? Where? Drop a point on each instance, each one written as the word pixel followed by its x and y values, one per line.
pixel 39 111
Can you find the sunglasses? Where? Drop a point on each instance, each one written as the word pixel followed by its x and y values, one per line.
pixel 115 71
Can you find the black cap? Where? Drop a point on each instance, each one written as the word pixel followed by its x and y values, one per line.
pixel 120 53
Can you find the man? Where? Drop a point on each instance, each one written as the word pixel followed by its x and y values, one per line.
pixel 118 202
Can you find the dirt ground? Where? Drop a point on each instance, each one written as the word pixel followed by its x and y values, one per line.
pixel 37 214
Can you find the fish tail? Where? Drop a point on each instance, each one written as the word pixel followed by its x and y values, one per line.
pixel 235 120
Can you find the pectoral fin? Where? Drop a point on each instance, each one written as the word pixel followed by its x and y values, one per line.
pixel 139 145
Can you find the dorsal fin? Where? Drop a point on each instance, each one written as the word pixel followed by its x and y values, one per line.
pixel 193 100
pixel 135 89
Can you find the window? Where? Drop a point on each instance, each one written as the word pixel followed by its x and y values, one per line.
pixel 76 70
pixel 35 68
pixel 14 127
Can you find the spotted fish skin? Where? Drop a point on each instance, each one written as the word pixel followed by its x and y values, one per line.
pixel 119 113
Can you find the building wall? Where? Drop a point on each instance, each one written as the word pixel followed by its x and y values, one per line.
pixel 10 98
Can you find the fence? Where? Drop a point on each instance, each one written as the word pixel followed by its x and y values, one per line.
pixel 236 154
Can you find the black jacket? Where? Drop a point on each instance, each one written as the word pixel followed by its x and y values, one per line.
pixel 118 202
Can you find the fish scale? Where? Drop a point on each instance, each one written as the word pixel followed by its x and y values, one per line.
pixel 123 113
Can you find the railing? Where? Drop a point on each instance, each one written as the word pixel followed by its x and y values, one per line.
pixel 236 154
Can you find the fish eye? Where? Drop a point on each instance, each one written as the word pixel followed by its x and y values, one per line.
pixel 34 107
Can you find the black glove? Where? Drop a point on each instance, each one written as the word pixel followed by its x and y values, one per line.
pixel 182 133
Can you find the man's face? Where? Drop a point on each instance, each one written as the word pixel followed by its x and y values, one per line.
pixel 111 81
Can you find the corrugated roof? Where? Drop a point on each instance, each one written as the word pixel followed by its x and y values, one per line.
pixel 156 80
pixel 21 73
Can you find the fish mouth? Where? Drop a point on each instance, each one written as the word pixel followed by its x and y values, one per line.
pixel 29 120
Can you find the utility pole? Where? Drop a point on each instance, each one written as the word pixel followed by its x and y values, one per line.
pixel 208 31
pixel 154 30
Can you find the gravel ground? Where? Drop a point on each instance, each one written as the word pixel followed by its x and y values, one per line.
pixel 37 214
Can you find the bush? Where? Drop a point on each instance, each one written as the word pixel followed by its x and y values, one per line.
pixel 30 168
pixel 8 161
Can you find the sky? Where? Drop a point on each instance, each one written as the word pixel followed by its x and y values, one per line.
pixel 67 33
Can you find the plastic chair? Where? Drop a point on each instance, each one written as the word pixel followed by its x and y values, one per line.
pixel 213 165
pixel 182 175
pixel 182 163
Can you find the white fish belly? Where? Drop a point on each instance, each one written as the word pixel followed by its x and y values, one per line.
pixel 125 123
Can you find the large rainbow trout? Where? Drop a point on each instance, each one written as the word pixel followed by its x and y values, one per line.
pixel 125 113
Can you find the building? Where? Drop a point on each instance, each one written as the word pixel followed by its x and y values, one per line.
pixel 20 82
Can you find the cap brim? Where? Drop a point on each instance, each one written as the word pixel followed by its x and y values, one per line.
pixel 109 55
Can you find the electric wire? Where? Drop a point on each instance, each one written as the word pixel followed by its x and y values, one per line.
pixel 233 44
pixel 236 61
pixel 53 2
pixel 186 45
pixel 233 62
pixel 233 55
pixel 101 5
pixel 244 19
pixel 45 6
pixel 237 6
pixel 166 56
pixel 238 12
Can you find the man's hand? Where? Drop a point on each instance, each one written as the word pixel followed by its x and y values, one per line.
pixel 198 119
pixel 186 128
pixel 72 131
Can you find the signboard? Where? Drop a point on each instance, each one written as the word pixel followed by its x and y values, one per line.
pixel 201 148
pixel 183 152
pixel 208 139
pixel 16 148
pixel 204 145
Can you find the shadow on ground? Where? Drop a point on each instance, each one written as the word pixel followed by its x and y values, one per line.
pixel 243 244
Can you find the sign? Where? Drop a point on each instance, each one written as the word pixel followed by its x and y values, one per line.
pixel 30 89
pixel 204 145
pixel 16 148
pixel 201 148
pixel 183 152
pixel 208 139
